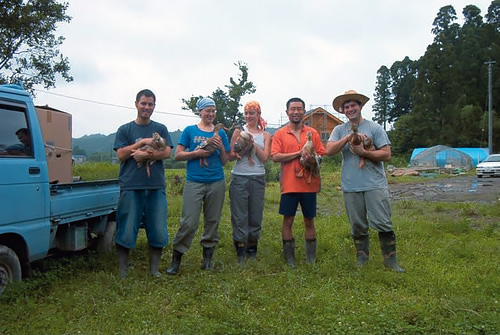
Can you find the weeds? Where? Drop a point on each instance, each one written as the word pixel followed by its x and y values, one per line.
pixel 449 251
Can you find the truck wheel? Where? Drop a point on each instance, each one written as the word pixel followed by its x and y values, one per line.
pixel 10 268
pixel 107 240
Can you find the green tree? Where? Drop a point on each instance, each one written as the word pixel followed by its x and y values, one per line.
pixel 28 47
pixel 449 98
pixel 227 103
pixel 79 151
pixel 438 83
pixel 382 97
pixel 403 78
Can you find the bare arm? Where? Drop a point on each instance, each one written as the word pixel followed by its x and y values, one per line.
pixel 382 154
pixel 283 158
pixel 263 154
pixel 232 154
pixel 142 155
pixel 182 155
pixel 334 147
pixel 219 145
pixel 125 153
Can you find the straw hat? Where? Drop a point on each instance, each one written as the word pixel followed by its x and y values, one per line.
pixel 339 101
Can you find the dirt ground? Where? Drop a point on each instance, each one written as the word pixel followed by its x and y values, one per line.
pixel 460 188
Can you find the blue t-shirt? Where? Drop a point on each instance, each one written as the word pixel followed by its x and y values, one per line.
pixel 196 171
pixel 133 177
pixel 372 175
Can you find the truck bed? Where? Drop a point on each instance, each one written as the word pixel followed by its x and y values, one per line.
pixel 80 200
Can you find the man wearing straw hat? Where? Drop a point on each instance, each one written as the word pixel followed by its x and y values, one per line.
pixel 364 184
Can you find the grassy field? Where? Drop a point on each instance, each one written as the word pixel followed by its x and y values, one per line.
pixel 450 252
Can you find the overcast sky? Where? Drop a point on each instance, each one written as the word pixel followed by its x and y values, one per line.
pixel 313 49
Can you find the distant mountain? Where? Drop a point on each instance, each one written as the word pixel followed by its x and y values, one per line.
pixel 103 144
pixel 98 143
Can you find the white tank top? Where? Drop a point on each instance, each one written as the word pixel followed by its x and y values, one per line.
pixel 243 167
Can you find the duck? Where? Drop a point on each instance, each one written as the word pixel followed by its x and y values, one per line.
pixel 157 144
pixel 309 160
pixel 244 146
pixel 208 144
pixel 357 139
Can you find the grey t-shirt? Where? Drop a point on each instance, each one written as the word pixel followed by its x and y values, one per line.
pixel 372 175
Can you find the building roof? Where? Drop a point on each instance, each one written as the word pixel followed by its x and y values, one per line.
pixel 310 112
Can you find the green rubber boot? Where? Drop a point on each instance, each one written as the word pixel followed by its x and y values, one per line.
pixel 154 261
pixel 207 258
pixel 388 246
pixel 362 244
pixel 176 263
pixel 123 260
pixel 311 246
pixel 289 252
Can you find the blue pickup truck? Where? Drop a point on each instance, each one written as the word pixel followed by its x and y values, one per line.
pixel 39 215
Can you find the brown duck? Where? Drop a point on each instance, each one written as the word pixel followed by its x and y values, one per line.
pixel 158 144
pixel 309 160
pixel 208 144
pixel 357 139
pixel 244 144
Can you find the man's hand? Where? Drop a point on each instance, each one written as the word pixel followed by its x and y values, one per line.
pixel 141 155
pixel 146 141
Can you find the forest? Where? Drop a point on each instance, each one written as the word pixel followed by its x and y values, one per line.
pixel 442 97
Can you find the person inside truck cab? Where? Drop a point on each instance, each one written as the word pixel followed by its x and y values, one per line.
pixel 23 148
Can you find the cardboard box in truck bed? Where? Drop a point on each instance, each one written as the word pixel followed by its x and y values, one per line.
pixel 57 135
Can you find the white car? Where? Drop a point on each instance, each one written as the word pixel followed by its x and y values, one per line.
pixel 489 167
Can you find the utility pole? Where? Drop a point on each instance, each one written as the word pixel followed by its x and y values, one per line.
pixel 490 111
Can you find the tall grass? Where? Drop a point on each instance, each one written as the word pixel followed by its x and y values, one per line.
pixel 451 285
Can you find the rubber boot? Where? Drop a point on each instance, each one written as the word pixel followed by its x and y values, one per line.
pixel 251 252
pixel 362 244
pixel 388 246
pixel 207 258
pixel 123 260
pixel 311 246
pixel 154 261
pixel 176 263
pixel 240 252
pixel 289 251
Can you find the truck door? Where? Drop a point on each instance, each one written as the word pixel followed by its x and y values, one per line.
pixel 23 177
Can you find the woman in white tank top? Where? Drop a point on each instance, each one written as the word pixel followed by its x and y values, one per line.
pixel 248 183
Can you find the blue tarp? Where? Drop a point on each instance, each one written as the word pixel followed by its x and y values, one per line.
pixel 476 154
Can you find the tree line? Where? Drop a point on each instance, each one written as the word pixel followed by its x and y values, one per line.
pixel 442 98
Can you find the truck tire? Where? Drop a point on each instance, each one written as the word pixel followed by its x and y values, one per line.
pixel 10 268
pixel 107 240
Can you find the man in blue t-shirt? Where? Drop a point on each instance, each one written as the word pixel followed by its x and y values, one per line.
pixel 143 197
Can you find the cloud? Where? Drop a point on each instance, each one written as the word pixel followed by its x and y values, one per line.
pixel 315 49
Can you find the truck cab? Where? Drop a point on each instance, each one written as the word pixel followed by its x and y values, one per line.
pixel 39 214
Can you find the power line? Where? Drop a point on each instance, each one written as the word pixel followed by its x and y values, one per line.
pixel 108 104
pixel 120 106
